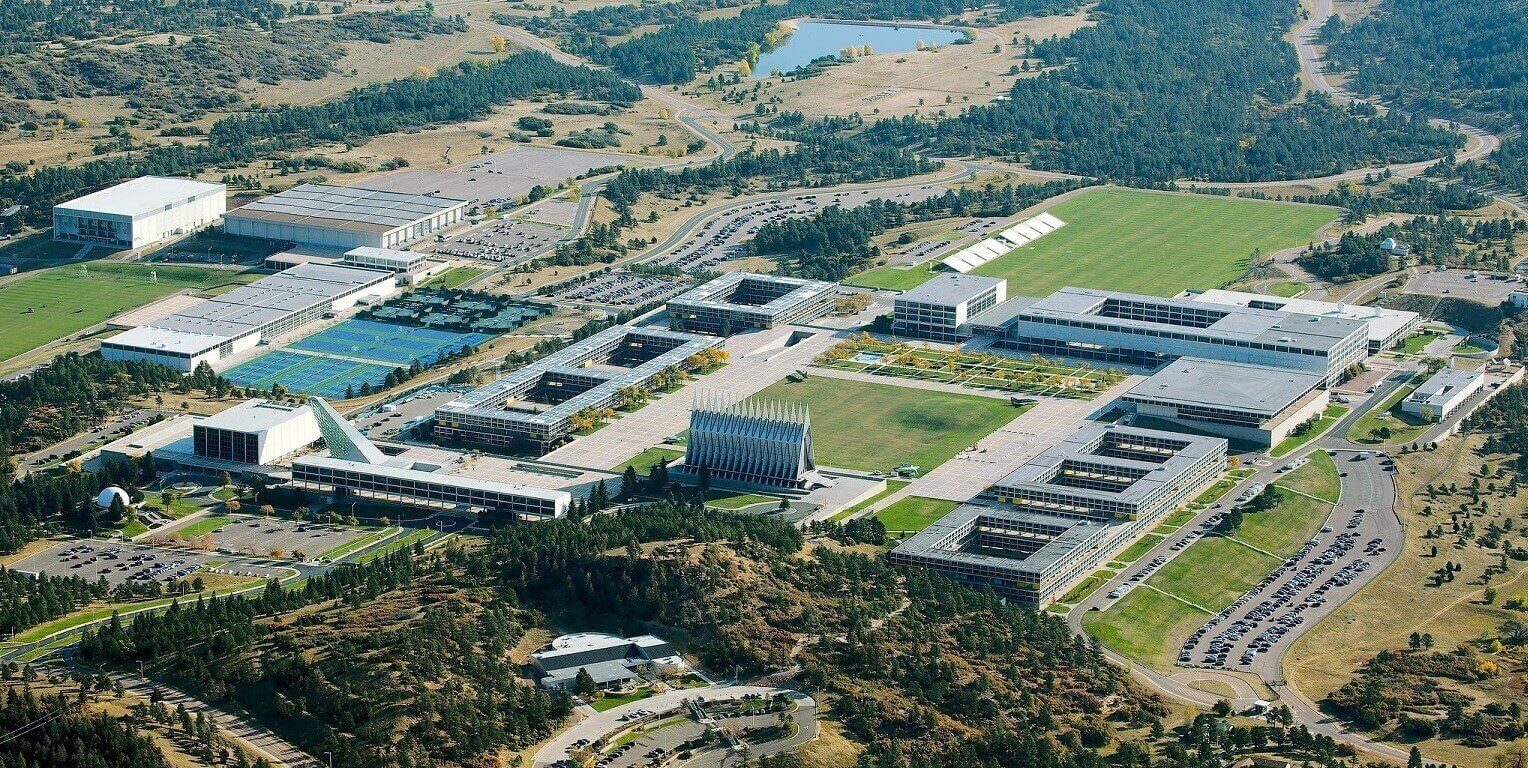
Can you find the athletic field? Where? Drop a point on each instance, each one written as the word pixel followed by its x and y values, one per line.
pixel 50 304
pixel 859 425
pixel 1143 242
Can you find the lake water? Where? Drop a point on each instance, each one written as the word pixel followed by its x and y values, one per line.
pixel 813 39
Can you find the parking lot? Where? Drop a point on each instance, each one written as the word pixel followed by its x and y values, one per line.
pixel 623 289
pixel 1487 287
pixel 502 175
pixel 120 563
pixel 249 535
pixel 500 241
pixel 721 238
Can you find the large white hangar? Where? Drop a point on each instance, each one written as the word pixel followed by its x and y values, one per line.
pixel 344 217
pixel 140 212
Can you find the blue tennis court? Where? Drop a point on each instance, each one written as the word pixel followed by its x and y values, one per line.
pixel 307 374
pixel 388 343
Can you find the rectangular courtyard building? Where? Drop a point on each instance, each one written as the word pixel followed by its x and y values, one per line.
pixel 536 404
pixel 1441 395
pixel 939 309
pixel 344 217
pixel 1066 511
pixel 743 301
pixel 1150 331
pixel 217 328
pixel 1253 404
pixel 140 212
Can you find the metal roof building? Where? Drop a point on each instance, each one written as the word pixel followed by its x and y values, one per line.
pixel 344 217
pixel 939 309
pixel 1442 394
pixel 1387 327
pixel 139 212
pixel 1257 404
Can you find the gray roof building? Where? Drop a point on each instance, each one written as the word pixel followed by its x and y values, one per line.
pixel 741 301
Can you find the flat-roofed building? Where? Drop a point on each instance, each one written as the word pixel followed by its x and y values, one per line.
pixel 217 328
pixel 1150 331
pixel 744 301
pixel 1443 393
pixel 405 262
pixel 344 217
pixel 1062 513
pixel 608 660
pixel 536 404
pixel 1255 404
pixel 255 432
pixel 939 309
pixel 140 212
pixel 1388 328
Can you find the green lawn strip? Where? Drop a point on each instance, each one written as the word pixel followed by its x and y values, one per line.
pixel 1141 547
pixel 394 544
pixel 648 458
pixel 1317 478
pixel 892 486
pixel 892 278
pixel 638 733
pixel 1146 626
pixel 1087 586
pixel 1154 243
pixel 1415 343
pixel 1178 518
pixel 1213 572
pixel 338 552
pixel 1329 417
pixel 225 494
pixel 1285 528
pixel 177 509
pixel 734 500
pixel 869 426
pixel 611 702
pixel 454 277
pixel 50 304
pixel 135 528
pixel 914 513
pixel 1289 289
pixel 1222 486
pixel 1402 427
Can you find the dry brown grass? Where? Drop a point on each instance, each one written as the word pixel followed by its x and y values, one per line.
pixel 1397 603
pixel 832 748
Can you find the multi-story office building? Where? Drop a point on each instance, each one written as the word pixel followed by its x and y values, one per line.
pixel 535 405
pixel 743 301
pixel 140 212
pixel 939 309
pixel 1065 511
pixel 1149 331
pixel 750 443
pixel 1252 404
pixel 1387 327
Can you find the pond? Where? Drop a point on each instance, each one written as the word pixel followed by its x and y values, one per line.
pixel 814 39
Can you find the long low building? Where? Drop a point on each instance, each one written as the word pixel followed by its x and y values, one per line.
pixel 1387 327
pixel 536 404
pixel 743 301
pixel 1253 404
pixel 1443 393
pixel 217 328
pixel 140 212
pixel 344 217
pixel 1063 512
pixel 1150 331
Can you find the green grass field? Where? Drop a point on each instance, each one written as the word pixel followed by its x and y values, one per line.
pixel 892 486
pixel 1145 625
pixel 1416 342
pixel 892 278
pixel 1387 415
pixel 454 277
pixel 859 425
pixel 206 524
pixel 914 513
pixel 1154 243
pixel 1285 528
pixel 1317 478
pixel 1289 289
pixel 1133 552
pixel 54 303
pixel 646 459
pixel 1330 416
pixel 735 500
pixel 1235 567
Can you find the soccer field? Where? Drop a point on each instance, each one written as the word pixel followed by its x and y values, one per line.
pixel 858 425
pixel 54 303
pixel 1154 243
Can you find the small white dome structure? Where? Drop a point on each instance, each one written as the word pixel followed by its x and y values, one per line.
pixel 104 499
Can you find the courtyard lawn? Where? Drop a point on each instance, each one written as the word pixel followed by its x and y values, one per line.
pixel 865 426
pixel 1145 625
pixel 1416 342
pixel 54 303
pixel 914 513
pixel 1154 243
pixel 1317 478
pixel 1330 416
pixel 1235 568
pixel 1285 528
pixel 1031 376
pixel 892 278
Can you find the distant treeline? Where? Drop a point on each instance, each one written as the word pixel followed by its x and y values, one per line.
pixel 462 93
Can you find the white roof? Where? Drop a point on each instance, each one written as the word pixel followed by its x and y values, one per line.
pixel 141 196
pixel 1446 385
pixel 256 415
pixel 1383 323
pixel 153 339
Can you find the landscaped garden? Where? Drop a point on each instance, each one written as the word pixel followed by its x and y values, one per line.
pixel 1031 376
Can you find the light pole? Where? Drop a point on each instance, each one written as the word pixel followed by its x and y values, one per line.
pixel 330 757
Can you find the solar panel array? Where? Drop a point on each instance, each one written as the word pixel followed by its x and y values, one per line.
pixel 1020 234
